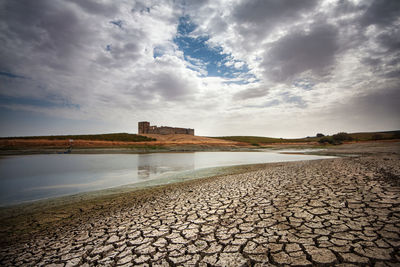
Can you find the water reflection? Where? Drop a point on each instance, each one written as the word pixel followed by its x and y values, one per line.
pixel 32 177
pixel 152 165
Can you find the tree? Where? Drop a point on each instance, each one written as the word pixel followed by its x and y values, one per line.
pixel 320 135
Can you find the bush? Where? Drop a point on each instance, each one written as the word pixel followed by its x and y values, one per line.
pixel 335 139
pixel 326 140
pixel 320 135
pixel 342 136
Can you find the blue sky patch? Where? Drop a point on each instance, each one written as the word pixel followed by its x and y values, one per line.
pixel 198 52
pixel 158 52
pixel 305 84
pixel 11 75
pixel 117 23
pixel 35 102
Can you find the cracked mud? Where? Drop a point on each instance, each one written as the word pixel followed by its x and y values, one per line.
pixel 342 212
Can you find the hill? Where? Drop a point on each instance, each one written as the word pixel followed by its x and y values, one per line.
pixel 124 137
pixel 49 144
pixel 361 136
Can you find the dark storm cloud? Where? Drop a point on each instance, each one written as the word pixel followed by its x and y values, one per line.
pixel 390 40
pixel 384 57
pixel 373 62
pixel 393 74
pixel 255 19
pixel 346 7
pixel 267 12
pixel 381 12
pixel 39 32
pixel 95 7
pixel 301 51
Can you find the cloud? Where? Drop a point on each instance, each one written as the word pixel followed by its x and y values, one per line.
pixel 267 104
pixel 45 33
pixel 261 11
pixel 381 12
pixel 298 101
pixel 256 18
pixel 71 50
pixel 301 51
pixel 367 111
pixel 97 8
pixel 390 40
pixel 377 104
pixel 251 93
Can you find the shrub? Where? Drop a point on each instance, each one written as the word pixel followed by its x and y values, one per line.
pixel 335 139
pixel 342 136
pixel 326 140
pixel 320 135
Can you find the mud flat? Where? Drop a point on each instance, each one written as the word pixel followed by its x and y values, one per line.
pixel 343 211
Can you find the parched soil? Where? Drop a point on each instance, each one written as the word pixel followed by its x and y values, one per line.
pixel 342 212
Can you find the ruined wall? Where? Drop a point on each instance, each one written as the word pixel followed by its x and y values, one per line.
pixel 145 128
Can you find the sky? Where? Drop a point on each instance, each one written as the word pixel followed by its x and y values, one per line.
pixel 277 68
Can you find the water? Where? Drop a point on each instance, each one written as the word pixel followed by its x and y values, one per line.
pixel 33 177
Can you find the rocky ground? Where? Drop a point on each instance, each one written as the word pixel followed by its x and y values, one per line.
pixel 343 212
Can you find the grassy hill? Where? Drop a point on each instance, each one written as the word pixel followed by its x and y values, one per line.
pixel 364 136
pixel 95 137
pixel 258 139
pixel 375 135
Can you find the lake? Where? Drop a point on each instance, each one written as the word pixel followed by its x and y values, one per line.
pixel 33 177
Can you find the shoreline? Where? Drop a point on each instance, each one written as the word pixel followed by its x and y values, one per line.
pixel 368 180
pixel 140 149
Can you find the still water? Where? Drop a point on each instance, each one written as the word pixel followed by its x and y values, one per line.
pixel 33 177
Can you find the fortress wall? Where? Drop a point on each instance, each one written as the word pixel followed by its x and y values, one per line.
pixel 145 128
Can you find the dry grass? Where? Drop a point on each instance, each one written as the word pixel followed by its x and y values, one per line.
pixel 162 140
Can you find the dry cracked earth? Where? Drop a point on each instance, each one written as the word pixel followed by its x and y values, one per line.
pixel 341 212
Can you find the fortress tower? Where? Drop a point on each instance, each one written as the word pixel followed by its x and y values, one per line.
pixel 144 127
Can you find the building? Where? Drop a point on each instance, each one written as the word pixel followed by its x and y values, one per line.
pixel 145 128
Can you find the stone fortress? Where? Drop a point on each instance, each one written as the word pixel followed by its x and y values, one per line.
pixel 145 128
